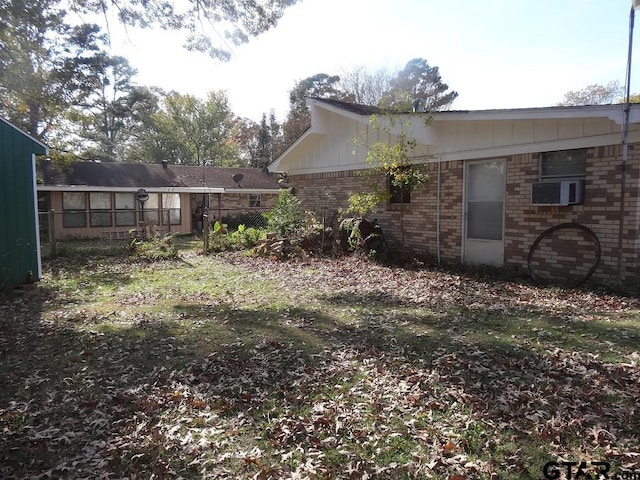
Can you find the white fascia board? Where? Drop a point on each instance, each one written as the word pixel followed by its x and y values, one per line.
pixel 493 152
pixel 89 188
pixel 319 127
pixel 252 191
pixel 36 221
pixel 413 123
pixel 509 150
pixel 614 113
pixel 333 168
pixel 313 103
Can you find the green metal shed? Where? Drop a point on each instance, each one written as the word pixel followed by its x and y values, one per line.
pixel 19 238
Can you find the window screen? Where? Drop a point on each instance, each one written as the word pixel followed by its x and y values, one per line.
pixel 125 209
pixel 565 164
pixel 74 205
pixel 100 206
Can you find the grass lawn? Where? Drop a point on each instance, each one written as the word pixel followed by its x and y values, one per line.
pixel 232 366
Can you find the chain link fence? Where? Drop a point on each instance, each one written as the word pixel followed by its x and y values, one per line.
pixel 61 225
pixel 88 224
pixel 234 217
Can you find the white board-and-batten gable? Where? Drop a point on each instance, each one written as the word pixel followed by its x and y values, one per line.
pixel 338 137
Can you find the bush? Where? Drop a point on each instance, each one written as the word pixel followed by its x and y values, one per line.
pixel 285 218
pixel 221 239
pixel 156 248
pixel 246 237
pixel 311 237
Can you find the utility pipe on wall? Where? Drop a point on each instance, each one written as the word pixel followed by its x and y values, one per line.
pixel 438 216
pixel 625 137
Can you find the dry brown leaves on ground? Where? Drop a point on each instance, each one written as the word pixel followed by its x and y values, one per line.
pixel 341 369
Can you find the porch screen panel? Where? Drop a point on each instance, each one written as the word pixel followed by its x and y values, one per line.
pixel 152 209
pixel 74 206
pixel 171 208
pixel 100 206
pixel 125 209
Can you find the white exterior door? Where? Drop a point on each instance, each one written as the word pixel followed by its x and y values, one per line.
pixel 485 184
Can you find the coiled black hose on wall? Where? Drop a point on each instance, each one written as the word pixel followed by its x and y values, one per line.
pixel 561 226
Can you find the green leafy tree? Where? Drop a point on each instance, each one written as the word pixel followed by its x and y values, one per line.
pixel 39 56
pixel 595 94
pixel 211 26
pixel 418 86
pixel 151 139
pixel 244 139
pixel 298 119
pixel 264 143
pixel 110 114
pixel 190 131
pixel 389 164
pixel 269 141
pixel 277 139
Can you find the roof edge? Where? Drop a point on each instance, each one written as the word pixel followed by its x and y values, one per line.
pixel 90 188
pixel 28 135
pixel 614 112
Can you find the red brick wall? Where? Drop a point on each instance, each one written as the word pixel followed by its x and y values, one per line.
pixel 240 201
pixel 599 212
pixel 326 192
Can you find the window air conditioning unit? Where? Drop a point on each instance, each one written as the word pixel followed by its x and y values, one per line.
pixel 566 192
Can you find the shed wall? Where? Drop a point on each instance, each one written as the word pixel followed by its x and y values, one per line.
pixel 19 242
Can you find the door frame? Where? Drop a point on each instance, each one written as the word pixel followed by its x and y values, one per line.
pixel 494 246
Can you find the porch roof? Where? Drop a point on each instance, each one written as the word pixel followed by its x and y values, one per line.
pixel 84 176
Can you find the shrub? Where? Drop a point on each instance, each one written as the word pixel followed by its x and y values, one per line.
pixel 285 218
pixel 311 237
pixel 246 237
pixel 156 248
pixel 221 239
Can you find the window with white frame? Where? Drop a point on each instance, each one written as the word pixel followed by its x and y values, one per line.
pixel 563 165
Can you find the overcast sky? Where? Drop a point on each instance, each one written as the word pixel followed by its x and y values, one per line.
pixel 494 53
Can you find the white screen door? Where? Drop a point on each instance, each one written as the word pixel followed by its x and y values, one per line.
pixel 484 212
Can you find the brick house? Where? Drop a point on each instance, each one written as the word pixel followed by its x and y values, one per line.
pixel 498 180
pixel 98 200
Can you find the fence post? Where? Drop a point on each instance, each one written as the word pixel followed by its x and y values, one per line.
pixel 205 231
pixel 52 234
